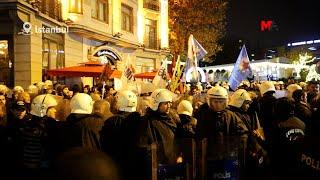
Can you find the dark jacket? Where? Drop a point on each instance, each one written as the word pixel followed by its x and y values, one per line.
pixel 81 130
pixel 303 112
pixel 212 124
pixel 287 144
pixel 160 129
pixel 266 111
pixel 117 139
pixel 248 119
pixel 117 135
pixel 118 130
pixel 32 142
pixel 186 128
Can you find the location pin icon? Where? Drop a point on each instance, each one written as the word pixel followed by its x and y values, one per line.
pixel 27 27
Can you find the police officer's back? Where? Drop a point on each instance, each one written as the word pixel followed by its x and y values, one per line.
pixel 118 132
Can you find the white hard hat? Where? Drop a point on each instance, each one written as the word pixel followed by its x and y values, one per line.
pixel 239 97
pixel 18 89
pixel 185 107
pixel 127 101
pixel 3 89
pixel 217 92
pixel 41 103
pixel 158 96
pixel 266 87
pixel 245 82
pixel 291 88
pixel 32 89
pixel 40 85
pixel 81 103
pixel 48 83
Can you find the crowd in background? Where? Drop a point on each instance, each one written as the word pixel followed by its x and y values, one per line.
pixel 52 130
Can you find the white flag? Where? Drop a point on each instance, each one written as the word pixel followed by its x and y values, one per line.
pixel 160 80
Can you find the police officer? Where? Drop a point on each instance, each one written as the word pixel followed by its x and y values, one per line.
pixel 187 125
pixel 255 154
pixel 288 137
pixel 224 131
pixel 118 132
pixel 158 127
pixel 215 119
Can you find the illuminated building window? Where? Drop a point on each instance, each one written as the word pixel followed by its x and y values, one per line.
pixel 53 55
pixel 52 8
pixel 150 36
pixel 151 4
pixel 6 64
pixel 75 6
pixel 99 10
pixel 127 18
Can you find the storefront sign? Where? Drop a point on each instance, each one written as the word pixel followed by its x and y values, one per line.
pixel 104 52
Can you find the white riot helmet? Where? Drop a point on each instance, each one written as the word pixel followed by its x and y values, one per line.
pixel 18 89
pixel 126 101
pixel 291 89
pixel 41 103
pixel 266 87
pixel 32 89
pixel 81 103
pixel 237 99
pixel 158 96
pixel 40 85
pixel 4 89
pixel 217 92
pixel 48 83
pixel 185 107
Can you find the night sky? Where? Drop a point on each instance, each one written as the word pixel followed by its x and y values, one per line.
pixel 296 21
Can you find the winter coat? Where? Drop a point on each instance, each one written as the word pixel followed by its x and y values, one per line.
pixel 286 145
pixel 309 158
pixel 266 111
pixel 33 140
pixel 249 119
pixel 212 124
pixel 185 129
pixel 256 157
pixel 303 112
pixel 160 129
pixel 81 130
pixel 117 140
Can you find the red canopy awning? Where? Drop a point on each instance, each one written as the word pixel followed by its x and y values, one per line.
pixel 146 75
pixel 89 69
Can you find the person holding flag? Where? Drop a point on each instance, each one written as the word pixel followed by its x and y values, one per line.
pixel 241 70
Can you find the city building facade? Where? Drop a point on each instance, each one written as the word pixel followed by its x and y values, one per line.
pixel 40 35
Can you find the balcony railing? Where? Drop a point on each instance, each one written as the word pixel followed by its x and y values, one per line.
pixel 52 8
pixel 151 4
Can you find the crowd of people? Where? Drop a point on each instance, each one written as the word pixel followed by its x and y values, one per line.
pixel 54 131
